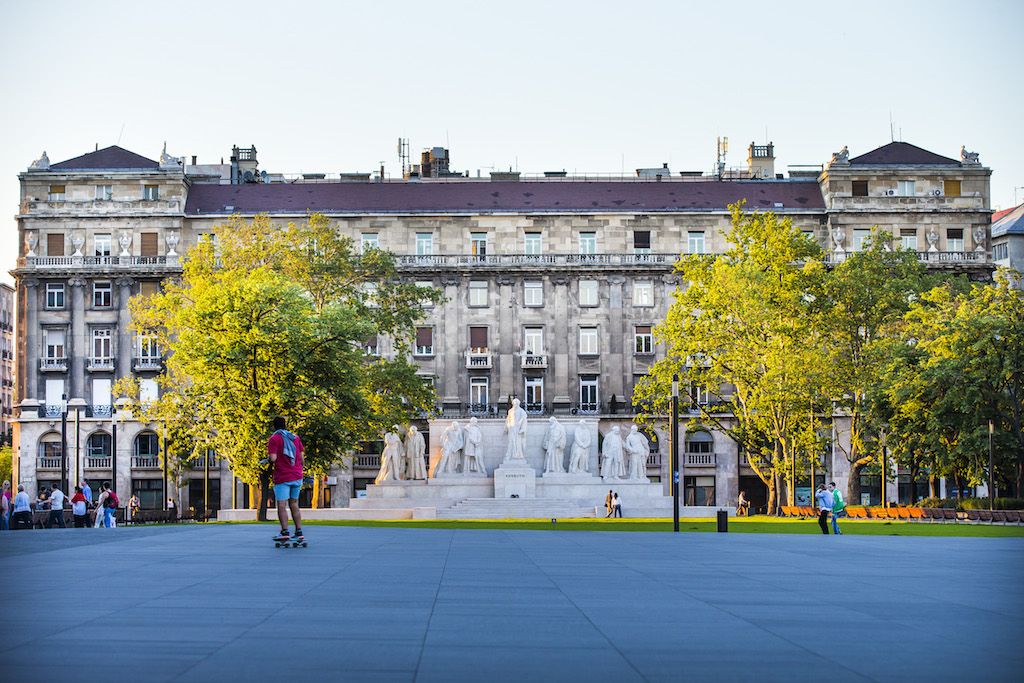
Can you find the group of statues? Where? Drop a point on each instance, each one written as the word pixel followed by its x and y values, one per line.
pixel 402 461
pixel 461 452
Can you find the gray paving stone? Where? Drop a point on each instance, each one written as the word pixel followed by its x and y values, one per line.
pixel 217 603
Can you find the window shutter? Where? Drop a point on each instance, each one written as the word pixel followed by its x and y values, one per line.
pixel 55 244
pixel 424 336
pixel 478 337
pixel 643 330
pixel 642 239
pixel 148 244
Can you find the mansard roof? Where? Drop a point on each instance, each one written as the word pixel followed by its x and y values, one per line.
pixel 1011 223
pixel 902 154
pixel 111 158
pixel 470 197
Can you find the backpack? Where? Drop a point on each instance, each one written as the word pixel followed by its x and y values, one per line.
pixel 112 500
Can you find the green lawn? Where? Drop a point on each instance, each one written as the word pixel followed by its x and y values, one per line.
pixel 754 525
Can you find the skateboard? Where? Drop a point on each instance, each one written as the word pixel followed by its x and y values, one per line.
pixel 290 543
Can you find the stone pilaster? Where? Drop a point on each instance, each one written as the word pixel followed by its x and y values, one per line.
pixel 503 346
pixel 613 336
pixel 77 344
pixel 558 338
pixel 29 356
pixel 451 340
pixel 125 349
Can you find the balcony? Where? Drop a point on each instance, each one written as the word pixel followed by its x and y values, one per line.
pixel 98 462
pixel 100 365
pixel 146 462
pixel 53 364
pixel 701 459
pixel 200 463
pixel 99 411
pixel 100 263
pixel 930 257
pixel 479 360
pixel 48 462
pixel 533 361
pixel 544 261
pixel 654 460
pixel 367 461
pixel 101 207
pixel 148 364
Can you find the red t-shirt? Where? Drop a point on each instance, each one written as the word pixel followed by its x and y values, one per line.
pixel 284 469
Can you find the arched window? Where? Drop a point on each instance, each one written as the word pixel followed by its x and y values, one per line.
pixel 147 445
pixel 700 442
pixel 49 445
pixel 98 445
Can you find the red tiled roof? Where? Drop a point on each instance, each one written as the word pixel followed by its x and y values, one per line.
pixel 107 159
pixel 498 197
pixel 902 154
pixel 999 214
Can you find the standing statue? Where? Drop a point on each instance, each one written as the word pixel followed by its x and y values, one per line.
pixel 414 450
pixel 451 444
pixel 554 447
pixel 472 457
pixel 579 459
pixel 391 458
pixel 612 467
pixel 638 449
pixel 515 427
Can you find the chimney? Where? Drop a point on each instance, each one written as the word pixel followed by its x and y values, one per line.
pixel 193 159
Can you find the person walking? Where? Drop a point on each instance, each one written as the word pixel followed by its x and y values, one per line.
pixel 743 506
pixel 825 499
pixel 5 506
pixel 56 508
pixel 87 492
pixel 133 507
pixel 608 505
pixel 103 503
pixel 617 505
pixel 284 451
pixel 80 509
pixel 22 510
pixel 838 507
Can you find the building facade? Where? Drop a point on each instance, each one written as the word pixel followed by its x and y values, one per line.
pixel 553 285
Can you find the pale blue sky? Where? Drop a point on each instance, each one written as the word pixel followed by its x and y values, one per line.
pixel 585 86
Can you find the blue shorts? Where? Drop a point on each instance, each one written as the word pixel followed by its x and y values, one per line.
pixel 289 489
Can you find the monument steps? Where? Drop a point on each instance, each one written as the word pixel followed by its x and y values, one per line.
pixel 515 508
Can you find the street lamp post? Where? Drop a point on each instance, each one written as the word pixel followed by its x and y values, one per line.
pixel 113 447
pixel 991 469
pixel 166 492
pixel 675 452
pixel 64 443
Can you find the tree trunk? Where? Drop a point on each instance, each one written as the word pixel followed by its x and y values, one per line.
pixel 853 485
pixel 773 493
pixel 263 495
pixel 933 482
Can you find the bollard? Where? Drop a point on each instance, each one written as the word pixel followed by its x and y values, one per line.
pixel 723 521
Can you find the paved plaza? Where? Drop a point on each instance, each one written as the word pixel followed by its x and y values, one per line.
pixel 220 603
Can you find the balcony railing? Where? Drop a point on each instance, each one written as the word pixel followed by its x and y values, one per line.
pixel 53 364
pixel 534 361
pixel 97 462
pixel 99 262
pixel 200 463
pixel 100 364
pixel 701 459
pixel 50 410
pixel 146 462
pixel 654 460
pixel 478 360
pixel 99 411
pixel 545 260
pixel 148 363
pixel 368 461
pixel 927 256
pixel 102 206
pixel 48 462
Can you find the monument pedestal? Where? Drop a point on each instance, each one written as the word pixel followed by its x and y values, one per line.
pixel 512 479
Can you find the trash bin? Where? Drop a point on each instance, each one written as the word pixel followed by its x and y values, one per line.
pixel 723 521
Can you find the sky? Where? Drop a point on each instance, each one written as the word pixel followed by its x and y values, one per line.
pixel 594 86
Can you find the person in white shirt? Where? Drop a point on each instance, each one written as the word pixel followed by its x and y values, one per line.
pixel 22 510
pixel 56 508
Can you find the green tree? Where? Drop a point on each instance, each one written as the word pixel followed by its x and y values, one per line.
pixel 273 320
pixel 743 327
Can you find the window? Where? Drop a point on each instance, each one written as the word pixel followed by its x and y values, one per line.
pixel 533 293
pixel 532 245
pixel 695 242
pixel 588 292
pixel 101 340
pixel 150 192
pixel 370 294
pixel 478 292
pixel 425 284
pixel 588 341
pixel 149 244
pixel 55 295
pixel 478 391
pixel 56 193
pixel 101 244
pixel 147 346
pixel 861 239
pixel 101 397
pixel 424 244
pixel 102 293
pixel 1000 252
pixel 588 394
pixel 641 242
pixel 643 293
pixel 104 192
pixel 478 340
pixel 49 446
pixel 534 341
pixel 149 390
pixel 478 243
pixel 699 490
pixel 534 393
pixel 147 445
pixel 55 397
pixel 643 344
pixel 908 239
pixel 424 341
pixel 54 344
pixel 955 239
pixel 55 244
pixel 370 347
pixel 860 188
pixel 98 445
pixel 148 289
pixel 951 188
pixel 369 240
pixel 905 188
pixel 588 242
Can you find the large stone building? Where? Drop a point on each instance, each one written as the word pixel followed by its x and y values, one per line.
pixel 553 284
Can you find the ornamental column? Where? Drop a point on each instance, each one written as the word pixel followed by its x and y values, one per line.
pixel 30 354
pixel 125 341
pixel 77 346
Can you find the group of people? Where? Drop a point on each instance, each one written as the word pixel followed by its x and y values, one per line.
pixel 830 504
pixel 17 510
pixel 613 505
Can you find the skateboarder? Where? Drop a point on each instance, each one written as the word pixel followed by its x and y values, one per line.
pixel 284 451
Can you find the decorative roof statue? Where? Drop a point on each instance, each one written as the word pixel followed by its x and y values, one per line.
pixel 40 164
pixel 167 161
pixel 968 158
pixel 842 156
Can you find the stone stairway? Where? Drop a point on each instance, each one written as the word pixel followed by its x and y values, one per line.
pixel 515 508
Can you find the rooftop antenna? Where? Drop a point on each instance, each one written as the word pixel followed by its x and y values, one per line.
pixel 723 147
pixel 892 134
pixel 119 135
pixel 403 155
